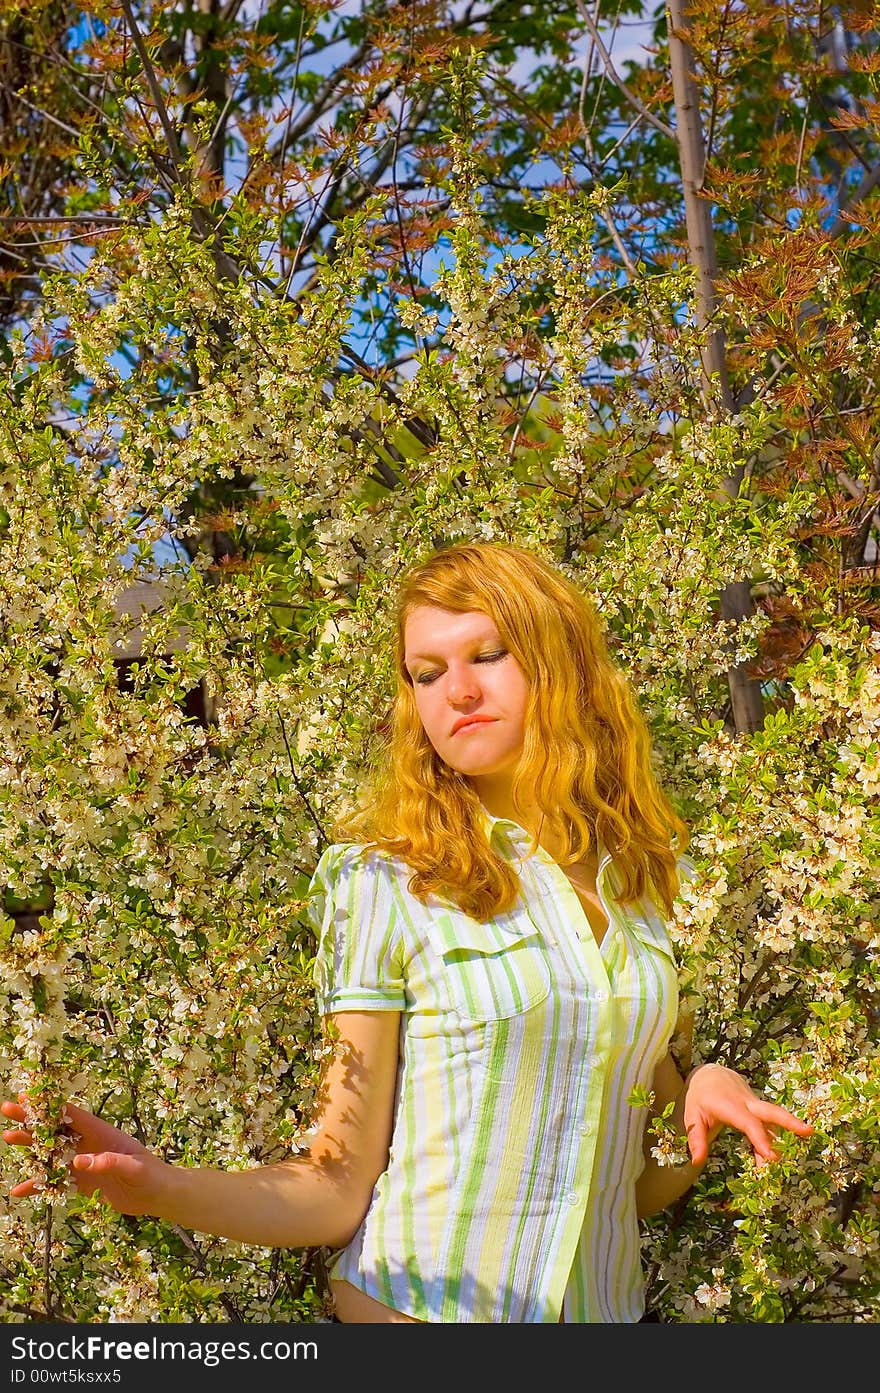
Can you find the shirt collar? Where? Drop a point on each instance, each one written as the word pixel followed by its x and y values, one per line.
pixel 519 836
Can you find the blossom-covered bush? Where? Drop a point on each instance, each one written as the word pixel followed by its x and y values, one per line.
pixel 155 951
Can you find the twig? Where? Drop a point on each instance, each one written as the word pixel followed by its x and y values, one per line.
pixel 299 788
pixel 870 181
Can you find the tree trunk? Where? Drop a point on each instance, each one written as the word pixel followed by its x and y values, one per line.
pixel 747 708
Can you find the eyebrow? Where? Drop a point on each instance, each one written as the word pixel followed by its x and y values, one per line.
pixel 494 637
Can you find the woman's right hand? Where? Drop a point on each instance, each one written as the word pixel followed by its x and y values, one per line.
pixel 107 1161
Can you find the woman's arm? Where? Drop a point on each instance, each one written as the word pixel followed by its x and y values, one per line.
pixel 659 1186
pixel 712 1098
pixel 312 1200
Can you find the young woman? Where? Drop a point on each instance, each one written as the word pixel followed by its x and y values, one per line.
pixel 494 960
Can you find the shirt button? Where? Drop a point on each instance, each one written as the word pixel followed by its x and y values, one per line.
pixel 573 1197
pixel 586 1129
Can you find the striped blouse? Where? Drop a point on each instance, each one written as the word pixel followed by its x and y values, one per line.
pixel 509 1193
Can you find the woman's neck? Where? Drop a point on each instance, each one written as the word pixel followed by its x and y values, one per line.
pixel 497 798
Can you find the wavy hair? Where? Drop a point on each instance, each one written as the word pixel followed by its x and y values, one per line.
pixel 585 761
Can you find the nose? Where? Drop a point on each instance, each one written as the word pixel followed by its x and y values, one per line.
pixel 462 684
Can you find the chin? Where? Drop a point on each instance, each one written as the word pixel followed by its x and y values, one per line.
pixel 474 768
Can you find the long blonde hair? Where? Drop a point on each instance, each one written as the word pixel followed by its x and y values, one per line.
pixel 586 757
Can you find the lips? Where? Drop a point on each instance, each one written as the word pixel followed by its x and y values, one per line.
pixel 467 723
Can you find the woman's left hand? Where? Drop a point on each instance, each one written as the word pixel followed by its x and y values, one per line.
pixel 717 1097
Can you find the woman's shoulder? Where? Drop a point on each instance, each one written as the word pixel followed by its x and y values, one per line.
pixel 687 870
pixel 353 873
pixel 340 860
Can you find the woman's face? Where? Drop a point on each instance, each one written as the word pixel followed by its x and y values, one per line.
pixel 471 694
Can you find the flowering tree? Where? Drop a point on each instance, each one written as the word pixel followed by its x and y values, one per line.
pixel 552 379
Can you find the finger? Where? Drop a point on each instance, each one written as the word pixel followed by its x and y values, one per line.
pixel 13 1110
pixel 698 1142
pixel 23 1189
pixel 781 1117
pixel 17 1138
pixel 79 1117
pixel 101 1135
pixel 85 1161
pixel 760 1139
pixel 26 1188
pixel 100 1164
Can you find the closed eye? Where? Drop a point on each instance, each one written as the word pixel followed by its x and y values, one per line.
pixel 425 678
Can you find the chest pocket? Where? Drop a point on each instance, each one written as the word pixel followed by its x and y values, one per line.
pixel 494 970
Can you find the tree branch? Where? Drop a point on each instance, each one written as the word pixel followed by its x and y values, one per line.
pixel 149 73
pixel 615 77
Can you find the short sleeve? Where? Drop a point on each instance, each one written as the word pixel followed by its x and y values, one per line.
pixel 355 913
